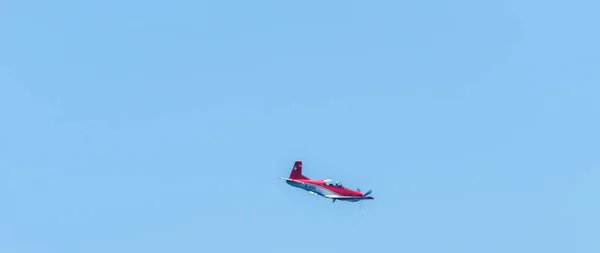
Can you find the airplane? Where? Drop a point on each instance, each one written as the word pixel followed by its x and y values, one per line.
pixel 324 187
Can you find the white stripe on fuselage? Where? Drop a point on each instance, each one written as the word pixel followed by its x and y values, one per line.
pixel 312 188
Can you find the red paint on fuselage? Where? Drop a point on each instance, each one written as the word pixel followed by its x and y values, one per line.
pixel 324 187
pixel 337 189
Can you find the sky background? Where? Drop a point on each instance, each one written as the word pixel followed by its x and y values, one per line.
pixel 162 126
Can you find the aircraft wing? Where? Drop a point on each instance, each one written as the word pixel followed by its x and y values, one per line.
pixel 342 197
pixel 346 197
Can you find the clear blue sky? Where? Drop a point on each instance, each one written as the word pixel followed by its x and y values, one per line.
pixel 147 126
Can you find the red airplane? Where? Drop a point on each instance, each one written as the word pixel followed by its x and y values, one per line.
pixel 326 188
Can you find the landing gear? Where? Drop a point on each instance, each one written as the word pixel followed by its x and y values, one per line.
pixel 333 201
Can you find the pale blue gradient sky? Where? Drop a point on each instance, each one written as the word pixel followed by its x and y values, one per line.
pixel 146 126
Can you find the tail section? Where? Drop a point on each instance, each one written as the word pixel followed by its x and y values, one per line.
pixel 297 171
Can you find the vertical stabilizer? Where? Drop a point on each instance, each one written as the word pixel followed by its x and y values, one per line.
pixel 297 171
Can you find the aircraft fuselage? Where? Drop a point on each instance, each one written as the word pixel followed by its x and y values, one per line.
pixel 325 188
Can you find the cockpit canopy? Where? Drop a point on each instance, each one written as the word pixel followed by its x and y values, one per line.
pixel 333 183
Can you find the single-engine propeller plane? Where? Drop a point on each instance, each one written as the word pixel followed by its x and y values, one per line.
pixel 324 187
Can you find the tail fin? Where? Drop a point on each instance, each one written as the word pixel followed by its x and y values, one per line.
pixel 297 171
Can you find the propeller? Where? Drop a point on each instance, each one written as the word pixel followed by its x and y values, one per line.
pixel 369 192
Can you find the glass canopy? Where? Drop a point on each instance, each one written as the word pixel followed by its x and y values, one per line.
pixel 333 183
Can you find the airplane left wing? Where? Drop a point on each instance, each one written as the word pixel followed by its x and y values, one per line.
pixel 345 197
pixel 348 198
